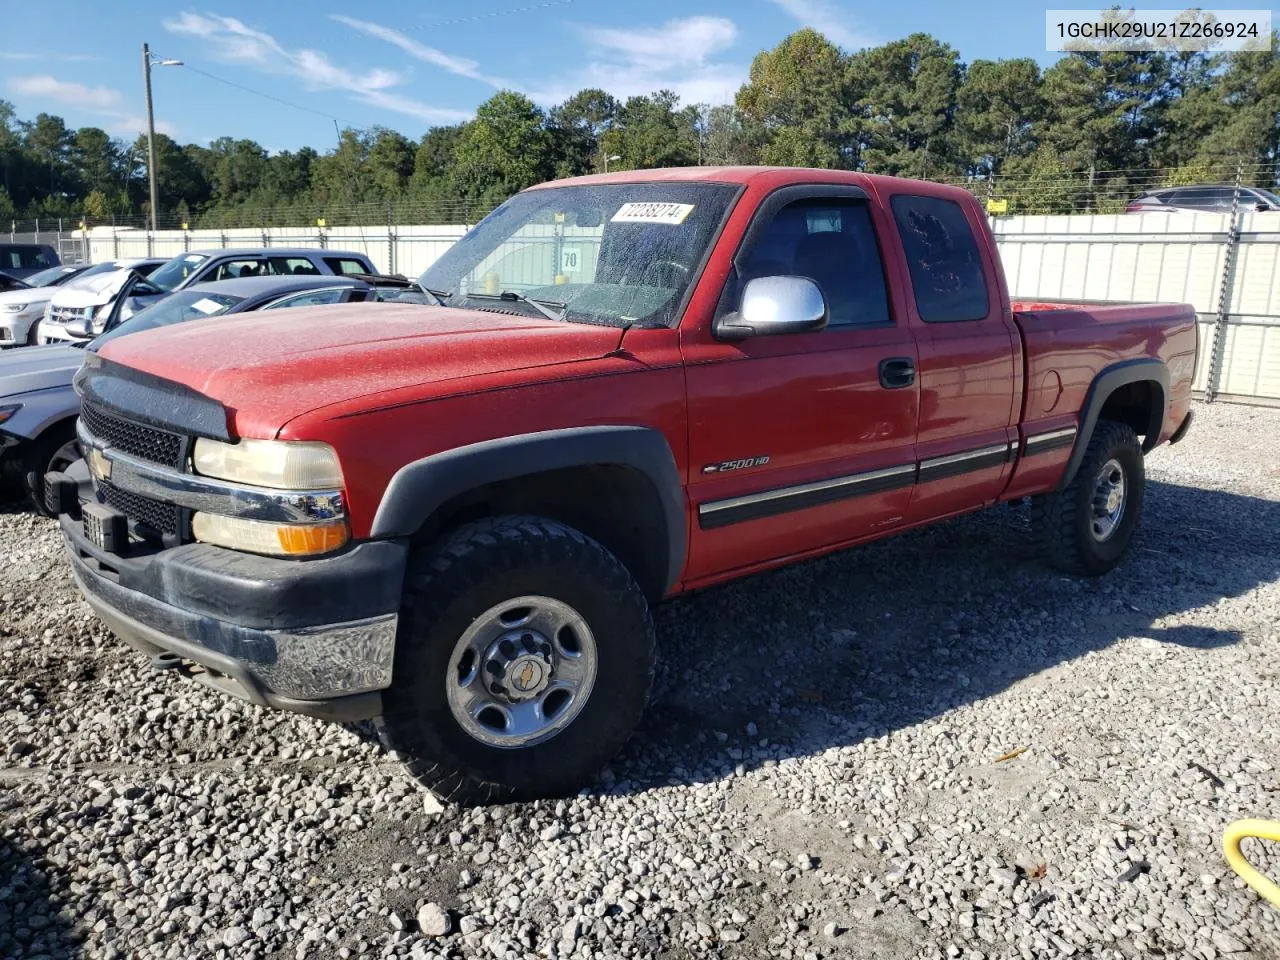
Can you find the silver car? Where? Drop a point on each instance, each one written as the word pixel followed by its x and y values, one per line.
pixel 1208 198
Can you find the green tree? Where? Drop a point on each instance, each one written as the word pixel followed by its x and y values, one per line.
pixel 8 212
pixel 653 131
pixel 391 162
pixel 727 139
pixel 178 176
pixel 504 149
pixel 997 109
pixel 800 97
pixel 96 206
pixel 49 141
pixel 576 127
pixel 906 97
pixel 96 160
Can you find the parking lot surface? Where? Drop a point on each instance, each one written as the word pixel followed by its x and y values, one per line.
pixel 933 746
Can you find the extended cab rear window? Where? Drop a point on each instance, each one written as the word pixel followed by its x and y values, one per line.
pixel 942 254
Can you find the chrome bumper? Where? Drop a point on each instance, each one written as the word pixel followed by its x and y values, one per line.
pixel 333 671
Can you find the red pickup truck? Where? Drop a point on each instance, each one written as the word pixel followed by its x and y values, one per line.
pixel 454 517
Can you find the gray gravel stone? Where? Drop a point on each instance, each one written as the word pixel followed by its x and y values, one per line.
pixel 152 817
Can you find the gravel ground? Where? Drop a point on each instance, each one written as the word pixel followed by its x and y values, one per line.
pixel 832 774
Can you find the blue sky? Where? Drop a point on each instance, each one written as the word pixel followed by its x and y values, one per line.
pixel 410 66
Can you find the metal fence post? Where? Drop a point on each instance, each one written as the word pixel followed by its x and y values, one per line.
pixel 391 242
pixel 115 242
pixel 1224 294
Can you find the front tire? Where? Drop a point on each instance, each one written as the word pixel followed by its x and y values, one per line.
pixel 524 661
pixel 1085 529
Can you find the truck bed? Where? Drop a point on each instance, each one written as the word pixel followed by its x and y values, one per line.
pixel 1066 344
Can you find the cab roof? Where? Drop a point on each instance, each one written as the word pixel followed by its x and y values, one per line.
pixel 776 176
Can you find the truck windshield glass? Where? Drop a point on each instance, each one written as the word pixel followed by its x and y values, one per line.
pixel 171 275
pixel 618 254
pixel 178 308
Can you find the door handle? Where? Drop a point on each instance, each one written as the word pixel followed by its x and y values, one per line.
pixel 897 372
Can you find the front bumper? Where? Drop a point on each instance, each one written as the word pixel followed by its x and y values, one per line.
pixel 315 637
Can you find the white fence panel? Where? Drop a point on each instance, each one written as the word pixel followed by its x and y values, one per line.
pixel 1171 257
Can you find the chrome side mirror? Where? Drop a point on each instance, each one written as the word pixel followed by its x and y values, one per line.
pixel 773 305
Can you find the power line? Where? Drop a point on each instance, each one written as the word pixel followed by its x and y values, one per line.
pixel 509 11
pixel 272 97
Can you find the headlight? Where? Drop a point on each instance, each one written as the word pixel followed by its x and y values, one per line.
pixel 279 464
pixel 279 540
pixel 7 412
pixel 14 307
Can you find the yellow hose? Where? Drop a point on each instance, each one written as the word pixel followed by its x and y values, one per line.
pixel 1262 830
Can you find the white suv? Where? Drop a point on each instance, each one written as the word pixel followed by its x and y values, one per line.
pixel 185 270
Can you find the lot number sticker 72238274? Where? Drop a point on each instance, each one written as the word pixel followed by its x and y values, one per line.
pixel 673 213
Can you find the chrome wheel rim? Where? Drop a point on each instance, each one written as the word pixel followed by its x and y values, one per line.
pixel 1109 499
pixel 521 672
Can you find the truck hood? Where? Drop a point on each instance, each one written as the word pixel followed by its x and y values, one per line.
pixel 37 368
pixel 269 367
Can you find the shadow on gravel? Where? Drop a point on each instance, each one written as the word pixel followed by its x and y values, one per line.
pixel 30 922
pixel 874 639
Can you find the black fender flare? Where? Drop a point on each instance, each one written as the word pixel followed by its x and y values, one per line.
pixel 420 488
pixel 1106 383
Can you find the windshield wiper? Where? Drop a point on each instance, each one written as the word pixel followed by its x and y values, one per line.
pixel 439 296
pixel 542 306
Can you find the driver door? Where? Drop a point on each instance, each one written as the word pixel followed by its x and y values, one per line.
pixel 801 441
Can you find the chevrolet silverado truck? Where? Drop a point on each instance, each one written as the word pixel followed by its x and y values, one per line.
pixel 454 517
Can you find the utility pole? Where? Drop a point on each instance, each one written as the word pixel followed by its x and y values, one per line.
pixel 151 133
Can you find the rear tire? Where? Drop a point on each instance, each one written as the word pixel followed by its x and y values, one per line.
pixel 507 605
pixel 55 449
pixel 1086 528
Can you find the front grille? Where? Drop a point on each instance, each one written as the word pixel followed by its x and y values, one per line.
pixel 64 315
pixel 161 517
pixel 136 439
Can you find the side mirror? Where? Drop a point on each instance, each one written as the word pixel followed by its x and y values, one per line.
pixel 1262 207
pixel 773 305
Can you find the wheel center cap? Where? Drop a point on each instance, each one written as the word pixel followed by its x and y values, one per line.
pixel 527 676
pixel 1113 500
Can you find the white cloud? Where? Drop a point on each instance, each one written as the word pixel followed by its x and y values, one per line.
pixel 420 51
pixel 76 94
pixel 62 57
pixel 827 18
pixel 231 41
pixel 102 101
pixel 679 55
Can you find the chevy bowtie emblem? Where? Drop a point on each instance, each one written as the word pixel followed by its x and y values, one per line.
pixel 99 465
pixel 527 677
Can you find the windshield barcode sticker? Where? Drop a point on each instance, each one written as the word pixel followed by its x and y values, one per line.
pixel 653 213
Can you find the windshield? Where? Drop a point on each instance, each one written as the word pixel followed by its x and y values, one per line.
pixel 616 254
pixel 178 308
pixel 53 276
pixel 1266 195
pixel 172 274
